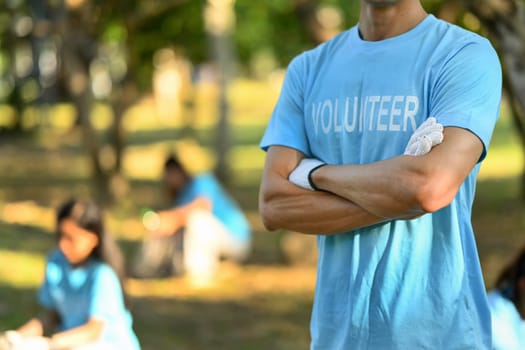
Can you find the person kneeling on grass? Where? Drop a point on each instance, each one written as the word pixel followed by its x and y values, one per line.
pixel 507 306
pixel 204 225
pixel 82 292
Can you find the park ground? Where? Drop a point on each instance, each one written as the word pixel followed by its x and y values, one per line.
pixel 264 304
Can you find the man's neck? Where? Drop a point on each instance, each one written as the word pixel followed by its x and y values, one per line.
pixel 379 23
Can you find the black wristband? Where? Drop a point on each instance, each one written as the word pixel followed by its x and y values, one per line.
pixel 310 181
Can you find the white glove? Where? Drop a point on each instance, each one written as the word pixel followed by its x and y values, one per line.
pixel 12 339
pixel 5 343
pixel 34 343
pixel 428 135
pixel 17 341
pixel 301 175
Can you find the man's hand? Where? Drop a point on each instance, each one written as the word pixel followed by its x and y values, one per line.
pixel 427 136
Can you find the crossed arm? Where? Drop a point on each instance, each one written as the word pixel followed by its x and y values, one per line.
pixel 357 196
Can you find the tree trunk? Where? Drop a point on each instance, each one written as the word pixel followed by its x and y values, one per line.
pixel 77 52
pixel 222 50
pixel 219 17
pixel 505 21
pixel 125 95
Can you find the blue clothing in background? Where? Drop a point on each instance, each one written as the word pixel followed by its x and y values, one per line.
pixel 89 291
pixel 224 207
pixel 508 328
pixel 403 284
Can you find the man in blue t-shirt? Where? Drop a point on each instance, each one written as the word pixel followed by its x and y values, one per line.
pixel 205 225
pixel 398 266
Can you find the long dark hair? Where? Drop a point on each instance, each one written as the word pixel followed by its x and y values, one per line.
pixel 90 217
pixel 509 277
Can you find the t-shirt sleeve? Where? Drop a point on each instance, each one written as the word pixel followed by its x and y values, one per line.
pixel 467 91
pixel 107 299
pixel 287 126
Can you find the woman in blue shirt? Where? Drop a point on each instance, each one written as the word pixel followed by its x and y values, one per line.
pixel 83 291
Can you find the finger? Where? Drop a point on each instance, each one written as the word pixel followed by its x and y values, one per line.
pixel 428 122
pixel 424 145
pixel 438 127
pixel 428 128
pixel 411 149
pixel 436 137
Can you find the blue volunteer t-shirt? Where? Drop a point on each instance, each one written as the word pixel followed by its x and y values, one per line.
pixel 414 284
pixel 89 291
pixel 508 328
pixel 224 207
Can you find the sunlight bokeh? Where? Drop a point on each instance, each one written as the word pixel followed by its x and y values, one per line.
pixel 21 269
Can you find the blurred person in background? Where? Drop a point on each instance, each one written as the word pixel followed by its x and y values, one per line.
pixel 83 291
pixel 507 306
pixel 204 225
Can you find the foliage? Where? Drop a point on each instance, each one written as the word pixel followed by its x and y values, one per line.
pixel 138 28
pixel 48 46
pixel 274 26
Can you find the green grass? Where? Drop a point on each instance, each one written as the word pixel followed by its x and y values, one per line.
pixel 262 305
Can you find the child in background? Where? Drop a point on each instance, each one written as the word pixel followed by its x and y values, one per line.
pixel 507 306
pixel 83 291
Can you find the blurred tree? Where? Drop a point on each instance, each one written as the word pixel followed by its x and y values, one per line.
pixel 505 22
pixel 17 68
pixel 283 28
pixel 100 61
pixel 91 51
pixel 88 52
pixel 220 25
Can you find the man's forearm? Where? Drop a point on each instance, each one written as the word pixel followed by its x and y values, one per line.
pixel 388 189
pixel 292 208
pixel 405 186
